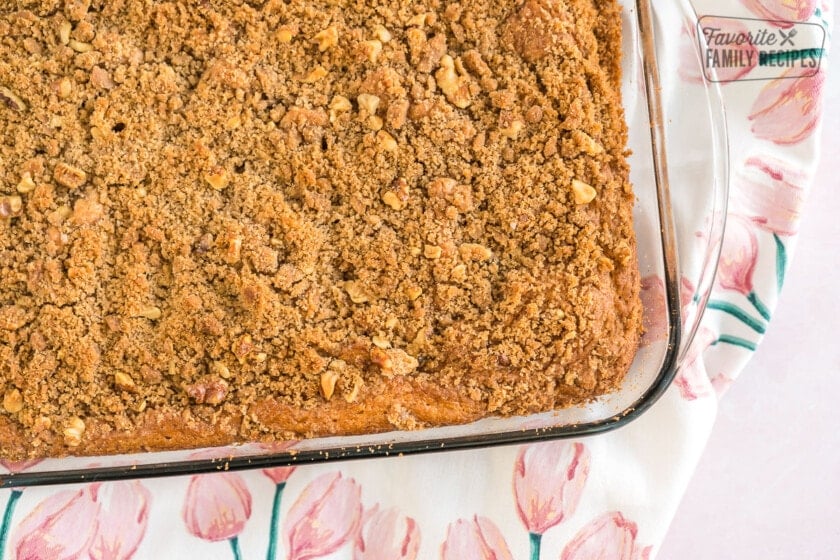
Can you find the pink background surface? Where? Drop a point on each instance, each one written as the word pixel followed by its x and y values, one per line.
pixel 768 485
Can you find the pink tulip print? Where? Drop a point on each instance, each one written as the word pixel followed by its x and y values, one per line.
pixel 61 527
pixel 216 508
pixel 691 379
pixel 782 12
pixel 770 193
pixel 325 516
pixel 548 480
pixel 121 521
pixel 474 539
pixel 739 256
pixel 788 108
pixel 608 537
pixel 279 476
pixel 387 535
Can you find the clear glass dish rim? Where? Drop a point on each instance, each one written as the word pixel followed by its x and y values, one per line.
pixel 677 340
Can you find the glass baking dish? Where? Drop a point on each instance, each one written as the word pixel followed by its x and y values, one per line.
pixel 679 168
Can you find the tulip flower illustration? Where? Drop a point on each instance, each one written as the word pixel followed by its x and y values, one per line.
pixel 14 496
pixel 691 377
pixel 279 476
pixel 788 109
pixel 387 535
pixel 476 539
pixel 325 516
pixel 738 259
pixel 608 537
pixel 216 508
pixel 770 193
pixel 59 528
pixel 122 520
pixel 548 481
pixel 782 12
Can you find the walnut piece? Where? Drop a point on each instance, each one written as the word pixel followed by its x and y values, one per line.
pixel 10 206
pixel 74 431
pixel 217 177
pixel 584 193
pixel 456 88
pixel 11 100
pixel 69 176
pixel 12 401
pixel 328 380
pixel 327 38
pixel 368 102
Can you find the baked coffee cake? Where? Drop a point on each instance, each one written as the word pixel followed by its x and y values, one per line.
pixel 231 220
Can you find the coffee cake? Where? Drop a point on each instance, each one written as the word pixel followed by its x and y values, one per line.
pixel 227 221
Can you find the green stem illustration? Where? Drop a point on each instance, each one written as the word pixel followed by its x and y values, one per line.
pixel 781 262
pixel 536 543
pixel 736 341
pixel 7 519
pixel 275 521
pixel 234 546
pixel 759 306
pixel 755 324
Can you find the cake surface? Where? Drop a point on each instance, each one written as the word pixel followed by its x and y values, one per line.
pixel 229 221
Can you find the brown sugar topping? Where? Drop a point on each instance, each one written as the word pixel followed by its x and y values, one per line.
pixel 231 221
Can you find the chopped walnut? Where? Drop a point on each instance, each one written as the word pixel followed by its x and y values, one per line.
pixel 356 292
pixel 584 193
pixel 286 33
pixel 124 381
pixel 64 87
pixel 243 346
pixel 414 292
pixel 371 50
pixel 10 206
pixel 385 142
pixel 315 75
pixel 474 252
pixel 327 38
pixel 432 252
pixel 397 113
pixel 80 46
pixel 12 401
pixel 217 177
pixel 209 390
pixel 456 88
pixel 69 176
pixel 11 100
pixel 381 358
pixel 382 34
pixel 101 79
pixel 64 29
pixel 329 379
pixel 153 313
pixel 338 106
pixel 368 103
pixel 74 431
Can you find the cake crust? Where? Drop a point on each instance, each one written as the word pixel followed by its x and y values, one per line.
pixel 228 221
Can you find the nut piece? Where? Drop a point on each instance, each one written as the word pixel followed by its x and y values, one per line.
pixel 74 431
pixel 69 176
pixel 217 177
pixel 371 49
pixel 10 206
pixel 64 87
pixel 456 88
pixel 354 391
pixel 79 46
pixel 382 34
pixel 414 292
pixel 432 252
pixel 391 199
pixel 124 381
pixel 152 313
pixel 368 102
pixel 11 100
pixel 286 33
pixel 64 30
pixel 220 369
pixel 338 106
pixel 474 252
pixel 241 347
pixel 380 342
pixel 13 401
pixel 584 193
pixel 381 358
pixel 512 129
pixel 385 142
pixel 357 293
pixel 328 381
pixel 315 75
pixel 416 21
pixel 326 38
